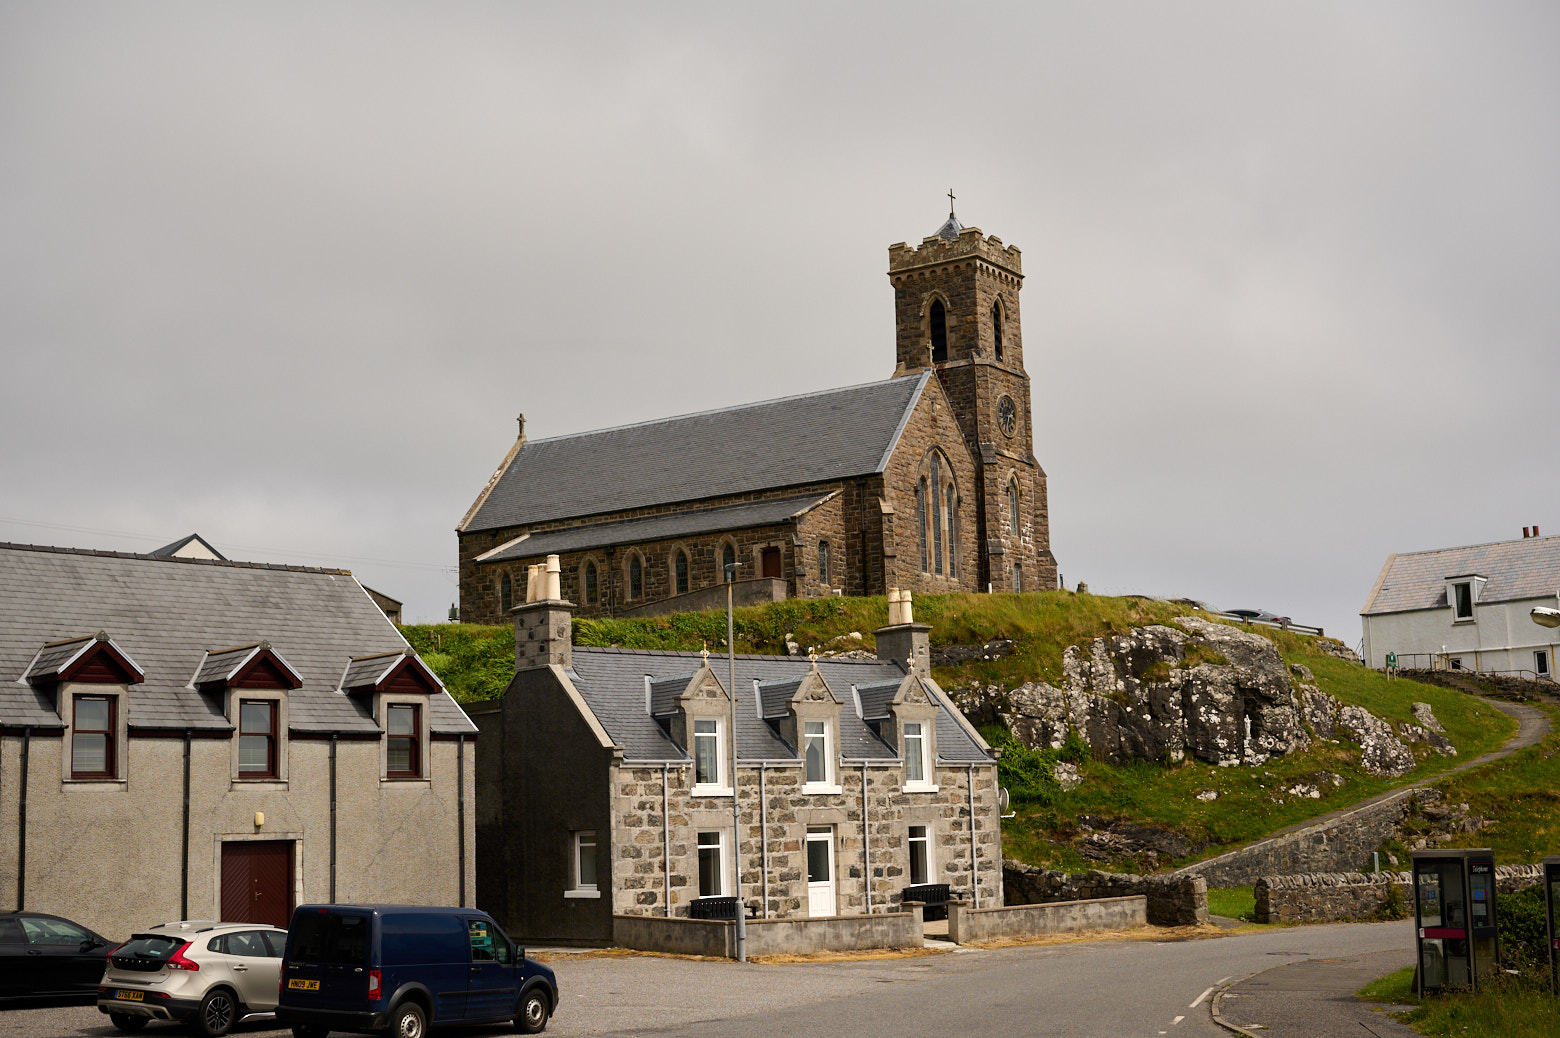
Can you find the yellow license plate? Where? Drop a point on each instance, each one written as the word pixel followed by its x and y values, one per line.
pixel 304 985
pixel 130 996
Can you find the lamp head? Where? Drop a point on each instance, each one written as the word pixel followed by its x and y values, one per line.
pixel 1546 617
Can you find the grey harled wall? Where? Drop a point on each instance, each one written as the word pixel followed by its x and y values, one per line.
pixel 967 925
pixel 682 936
pixel 1172 900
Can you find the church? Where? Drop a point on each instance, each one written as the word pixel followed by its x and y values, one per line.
pixel 925 481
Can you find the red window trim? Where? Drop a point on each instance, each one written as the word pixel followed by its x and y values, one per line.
pixel 111 732
pixel 414 740
pixel 270 735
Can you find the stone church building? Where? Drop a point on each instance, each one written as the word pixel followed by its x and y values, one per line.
pixel 925 481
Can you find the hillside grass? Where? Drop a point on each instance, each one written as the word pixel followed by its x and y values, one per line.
pixel 477 662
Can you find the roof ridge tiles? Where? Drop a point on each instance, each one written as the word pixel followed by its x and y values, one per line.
pixel 226 563
pixel 1482 544
pixel 624 651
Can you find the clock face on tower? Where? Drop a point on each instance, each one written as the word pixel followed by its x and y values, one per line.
pixel 1007 416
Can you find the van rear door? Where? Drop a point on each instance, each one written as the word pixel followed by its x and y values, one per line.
pixel 327 960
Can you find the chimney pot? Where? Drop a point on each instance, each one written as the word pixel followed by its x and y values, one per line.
pixel 1524 533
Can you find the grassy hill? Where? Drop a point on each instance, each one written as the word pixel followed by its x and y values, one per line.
pixel 476 663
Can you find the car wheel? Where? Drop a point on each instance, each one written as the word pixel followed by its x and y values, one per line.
pixel 127 1023
pixel 309 1031
pixel 408 1021
pixel 217 1014
pixel 532 1018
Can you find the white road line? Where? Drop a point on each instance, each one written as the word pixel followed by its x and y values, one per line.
pixel 1226 980
pixel 1177 1020
pixel 1200 998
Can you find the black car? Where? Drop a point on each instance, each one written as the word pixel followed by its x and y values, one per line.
pixel 46 956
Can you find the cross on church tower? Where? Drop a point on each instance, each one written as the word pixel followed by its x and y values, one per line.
pixel 950 203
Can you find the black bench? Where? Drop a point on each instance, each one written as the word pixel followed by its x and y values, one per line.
pixel 713 908
pixel 934 896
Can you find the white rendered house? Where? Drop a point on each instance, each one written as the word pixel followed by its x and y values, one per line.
pixel 1467 608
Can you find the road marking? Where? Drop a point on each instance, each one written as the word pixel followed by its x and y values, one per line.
pixel 1200 997
pixel 1177 1020
pixel 1224 981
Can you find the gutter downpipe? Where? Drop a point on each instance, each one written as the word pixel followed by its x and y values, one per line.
pixel 974 875
pixel 763 828
pixel 666 839
pixel 21 824
pixel 184 846
pixel 866 841
pixel 333 818
pixel 736 824
pixel 460 808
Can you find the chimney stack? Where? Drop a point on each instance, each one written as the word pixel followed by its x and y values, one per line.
pixel 544 633
pixel 903 640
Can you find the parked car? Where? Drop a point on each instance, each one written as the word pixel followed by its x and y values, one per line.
pixel 48 956
pixel 398 969
pixel 209 975
pixel 1256 614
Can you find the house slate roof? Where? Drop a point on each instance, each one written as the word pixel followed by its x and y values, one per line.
pixel 612 683
pixel 223 665
pixel 875 697
pixel 656 527
pixel 166 613
pixel 774 697
pixel 812 438
pixel 1514 570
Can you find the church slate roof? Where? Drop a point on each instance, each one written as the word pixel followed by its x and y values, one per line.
pixel 812 438
pixel 612 683
pixel 656 527
pixel 1528 568
pixel 166 613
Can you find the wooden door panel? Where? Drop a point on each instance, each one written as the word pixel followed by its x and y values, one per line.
pixel 257 882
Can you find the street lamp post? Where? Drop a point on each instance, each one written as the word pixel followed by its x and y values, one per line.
pixel 736 823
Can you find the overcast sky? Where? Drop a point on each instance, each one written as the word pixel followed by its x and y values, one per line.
pixel 284 274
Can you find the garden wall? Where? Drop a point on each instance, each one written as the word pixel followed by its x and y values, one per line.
pixel 1329 897
pixel 1172 900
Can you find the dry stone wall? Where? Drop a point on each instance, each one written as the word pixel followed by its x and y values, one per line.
pixel 1172 900
pixel 1329 897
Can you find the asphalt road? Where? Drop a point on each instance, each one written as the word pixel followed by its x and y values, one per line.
pixel 1101 989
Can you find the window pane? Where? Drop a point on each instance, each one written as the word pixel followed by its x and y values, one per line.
pixel 818 858
pixel 92 714
pixel 915 769
pixel 817 751
pixel 587 863
pixel 254 753
pixel 398 756
pixel 823 562
pixel 709 865
pixel 937 520
pixel 89 752
pixel 590 583
pixel 706 753
pixel 255 718
pixel 636 578
pixel 728 557
pixel 403 720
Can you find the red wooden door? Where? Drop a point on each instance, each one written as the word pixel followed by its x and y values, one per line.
pixel 770 560
pixel 257 882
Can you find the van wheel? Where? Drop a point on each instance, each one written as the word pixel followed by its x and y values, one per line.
pixel 127 1023
pixel 408 1021
pixel 532 1018
pixel 217 1013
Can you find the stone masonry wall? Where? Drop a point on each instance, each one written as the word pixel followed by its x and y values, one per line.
pixel 932 425
pixel 1172 900
pixel 778 828
pixel 1338 896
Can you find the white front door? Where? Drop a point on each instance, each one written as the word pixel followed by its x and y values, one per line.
pixel 820 870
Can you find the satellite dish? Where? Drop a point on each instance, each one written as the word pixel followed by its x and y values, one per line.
pixel 1002 801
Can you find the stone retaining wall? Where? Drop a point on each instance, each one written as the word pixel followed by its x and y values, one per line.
pixel 1329 897
pixel 717 938
pixel 1173 900
pixel 967 925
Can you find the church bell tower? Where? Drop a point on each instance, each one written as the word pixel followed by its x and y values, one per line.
pixel 956 310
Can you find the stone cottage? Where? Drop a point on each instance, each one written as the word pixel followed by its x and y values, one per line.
pixel 196 738
pixel 926 480
pixel 605 785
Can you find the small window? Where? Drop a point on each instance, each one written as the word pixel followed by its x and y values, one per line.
pixel 680 567
pixel 937 518
pixel 953 534
pixel 939 332
pixel 708 764
pixel 1457 663
pixel 996 330
pixel 920 520
pixel 1463 601
pixel 506 594
pixel 1541 663
pixel 403 743
pixel 257 739
pixel 915 753
pixel 823 562
pixel 1012 502
pixel 712 876
pixel 1018 577
pixel 592 586
pixel 815 738
pixel 92 737
pixel 636 578
pixel 728 558
pixel 583 869
pixel 920 855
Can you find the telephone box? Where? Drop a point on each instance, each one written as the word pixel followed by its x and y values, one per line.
pixel 1552 914
pixel 1454 916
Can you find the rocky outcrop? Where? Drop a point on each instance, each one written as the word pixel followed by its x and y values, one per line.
pixel 1380 752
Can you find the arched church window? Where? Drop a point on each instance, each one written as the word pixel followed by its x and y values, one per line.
pixel 636 578
pixel 680 566
pixel 1012 496
pixel 592 587
pixel 920 520
pixel 937 517
pixel 823 562
pixel 506 594
pixel 953 535
pixel 996 329
pixel 939 332
pixel 728 557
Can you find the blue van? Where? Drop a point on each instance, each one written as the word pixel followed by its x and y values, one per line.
pixel 399 969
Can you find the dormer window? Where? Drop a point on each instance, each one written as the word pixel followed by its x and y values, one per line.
pixel 709 757
pixel 257 739
pixel 92 737
pixel 915 753
pixel 816 752
pixel 403 741
pixel 1463 607
pixel 1462 594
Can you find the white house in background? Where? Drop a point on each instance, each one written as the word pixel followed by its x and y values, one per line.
pixel 1467 608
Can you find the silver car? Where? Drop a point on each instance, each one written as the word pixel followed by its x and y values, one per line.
pixel 209 975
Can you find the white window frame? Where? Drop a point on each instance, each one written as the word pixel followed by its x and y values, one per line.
pixel 927 782
pixel 721 786
pixel 925 841
pixel 830 781
pixel 1459 617
pixel 719 845
pixel 1542 656
pixel 578 839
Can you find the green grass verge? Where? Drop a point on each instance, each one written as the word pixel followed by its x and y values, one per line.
pixel 1233 903
pixel 1511 1007
pixel 1397 987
